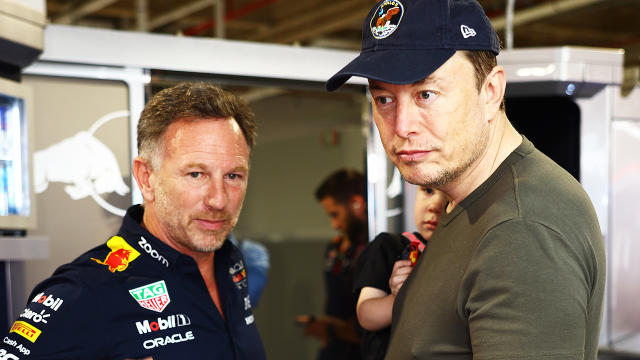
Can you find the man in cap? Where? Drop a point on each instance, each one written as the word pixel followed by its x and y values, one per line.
pixel 168 285
pixel 505 275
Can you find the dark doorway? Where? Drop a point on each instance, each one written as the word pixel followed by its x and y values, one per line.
pixel 552 124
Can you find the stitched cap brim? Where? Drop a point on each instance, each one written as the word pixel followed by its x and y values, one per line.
pixel 401 66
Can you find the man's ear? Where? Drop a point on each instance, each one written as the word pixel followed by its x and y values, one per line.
pixel 494 88
pixel 142 173
pixel 358 205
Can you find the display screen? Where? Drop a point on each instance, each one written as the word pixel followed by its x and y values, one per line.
pixel 14 174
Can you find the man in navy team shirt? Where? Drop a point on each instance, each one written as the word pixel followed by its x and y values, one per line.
pixel 168 285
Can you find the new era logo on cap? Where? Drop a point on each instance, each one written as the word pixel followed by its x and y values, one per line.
pixel 467 31
pixel 404 41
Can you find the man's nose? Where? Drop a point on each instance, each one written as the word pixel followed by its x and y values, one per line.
pixel 216 196
pixel 405 125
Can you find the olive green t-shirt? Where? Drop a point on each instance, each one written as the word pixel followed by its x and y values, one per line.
pixel 515 271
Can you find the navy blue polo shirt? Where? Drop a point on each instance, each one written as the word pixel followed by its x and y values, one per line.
pixel 135 297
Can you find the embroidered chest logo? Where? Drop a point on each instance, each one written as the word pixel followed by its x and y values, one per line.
pixel 120 256
pixel 238 274
pixel 386 19
pixel 154 296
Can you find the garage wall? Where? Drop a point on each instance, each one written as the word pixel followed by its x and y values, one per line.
pixel 64 108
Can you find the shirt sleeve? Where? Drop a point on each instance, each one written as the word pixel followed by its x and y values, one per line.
pixel 526 293
pixel 375 264
pixel 54 324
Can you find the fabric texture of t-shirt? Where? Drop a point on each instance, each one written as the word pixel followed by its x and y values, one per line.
pixel 515 271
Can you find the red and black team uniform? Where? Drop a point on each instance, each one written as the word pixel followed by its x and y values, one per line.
pixel 136 297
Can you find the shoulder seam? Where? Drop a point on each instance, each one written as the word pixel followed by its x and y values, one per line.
pixel 516 190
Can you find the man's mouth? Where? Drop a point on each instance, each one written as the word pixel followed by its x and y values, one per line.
pixel 211 224
pixel 411 155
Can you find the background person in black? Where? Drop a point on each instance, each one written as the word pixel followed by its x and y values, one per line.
pixel 380 275
pixel 343 196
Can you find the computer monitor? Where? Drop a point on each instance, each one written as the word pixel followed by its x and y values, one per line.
pixel 17 210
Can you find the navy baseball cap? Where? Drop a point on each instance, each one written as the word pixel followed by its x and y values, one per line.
pixel 404 41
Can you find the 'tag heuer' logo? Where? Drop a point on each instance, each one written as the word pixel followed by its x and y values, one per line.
pixel 153 296
pixel 120 256
pixel 25 330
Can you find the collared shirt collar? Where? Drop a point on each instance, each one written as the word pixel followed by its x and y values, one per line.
pixel 144 241
pixel 149 245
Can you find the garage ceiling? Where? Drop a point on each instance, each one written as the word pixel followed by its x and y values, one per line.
pixel 337 24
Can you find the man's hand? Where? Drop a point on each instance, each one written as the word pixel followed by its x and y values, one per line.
pixel 401 270
pixel 315 327
pixel 323 327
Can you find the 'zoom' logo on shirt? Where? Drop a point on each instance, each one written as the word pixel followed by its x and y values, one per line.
pixel 169 322
pixel 152 252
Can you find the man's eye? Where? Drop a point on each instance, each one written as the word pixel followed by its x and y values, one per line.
pixel 195 174
pixel 426 95
pixel 234 176
pixel 383 100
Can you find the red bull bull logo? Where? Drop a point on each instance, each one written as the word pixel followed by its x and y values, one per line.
pixel 120 256
pixel 238 274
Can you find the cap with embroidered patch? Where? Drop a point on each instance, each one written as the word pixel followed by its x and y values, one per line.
pixel 404 41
